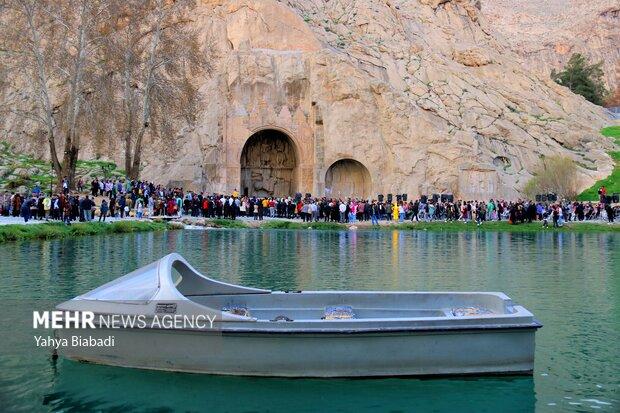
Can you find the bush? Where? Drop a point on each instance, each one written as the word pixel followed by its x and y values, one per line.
pixel 556 175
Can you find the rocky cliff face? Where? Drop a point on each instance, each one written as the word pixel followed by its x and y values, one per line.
pixel 547 32
pixel 421 93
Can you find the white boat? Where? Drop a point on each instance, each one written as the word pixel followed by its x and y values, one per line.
pixel 259 332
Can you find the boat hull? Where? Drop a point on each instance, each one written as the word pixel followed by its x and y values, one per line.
pixel 319 354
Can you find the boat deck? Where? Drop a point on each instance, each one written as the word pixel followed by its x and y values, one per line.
pixel 357 308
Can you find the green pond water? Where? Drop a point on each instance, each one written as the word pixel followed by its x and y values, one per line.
pixel 571 282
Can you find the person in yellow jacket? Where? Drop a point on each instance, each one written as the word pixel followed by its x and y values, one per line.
pixel 395 211
pixel 47 206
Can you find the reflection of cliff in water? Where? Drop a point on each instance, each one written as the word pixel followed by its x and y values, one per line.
pixel 88 386
pixel 268 165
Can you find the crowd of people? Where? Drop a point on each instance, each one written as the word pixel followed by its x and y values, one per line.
pixel 122 198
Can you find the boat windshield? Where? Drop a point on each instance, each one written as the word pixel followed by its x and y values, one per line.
pixel 140 285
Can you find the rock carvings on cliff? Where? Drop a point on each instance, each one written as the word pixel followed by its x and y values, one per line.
pixel 418 92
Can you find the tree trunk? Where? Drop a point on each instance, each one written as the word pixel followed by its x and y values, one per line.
pixel 69 165
pixel 127 103
pixel 42 90
pixel 134 173
pixel 128 166
pixel 72 138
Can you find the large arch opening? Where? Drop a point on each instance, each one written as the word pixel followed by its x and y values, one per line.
pixel 348 178
pixel 269 165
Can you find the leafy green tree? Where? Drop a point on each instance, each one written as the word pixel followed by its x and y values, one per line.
pixel 583 78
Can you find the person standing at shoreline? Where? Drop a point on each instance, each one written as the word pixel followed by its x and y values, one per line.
pixel 121 206
pixel 150 206
pixel 103 210
pixel 87 206
pixel 25 210
pixel 342 208
pixel 66 210
pixel 374 213
pixel 610 213
pixel 139 208
pixel 47 206
pixel 556 216
pixel 491 213
pixel 314 210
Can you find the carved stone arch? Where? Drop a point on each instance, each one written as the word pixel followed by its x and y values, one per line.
pixel 253 131
pixel 269 162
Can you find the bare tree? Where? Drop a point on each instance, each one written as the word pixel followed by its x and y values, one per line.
pixel 557 175
pixel 151 53
pixel 54 43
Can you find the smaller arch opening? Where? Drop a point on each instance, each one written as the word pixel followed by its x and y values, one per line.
pixel 348 178
pixel 502 162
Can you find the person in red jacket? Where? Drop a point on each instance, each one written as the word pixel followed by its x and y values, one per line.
pixel 205 207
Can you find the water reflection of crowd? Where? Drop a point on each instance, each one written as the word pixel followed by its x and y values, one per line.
pixel 124 198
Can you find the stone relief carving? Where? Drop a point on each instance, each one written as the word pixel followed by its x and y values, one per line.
pixel 268 164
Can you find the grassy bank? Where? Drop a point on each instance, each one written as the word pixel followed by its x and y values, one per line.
pixel 494 226
pixel 446 226
pixel 302 225
pixel 501 227
pixel 226 223
pixel 612 182
pixel 17 232
pixel 59 230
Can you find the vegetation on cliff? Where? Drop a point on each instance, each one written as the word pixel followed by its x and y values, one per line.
pixel 612 182
pixel 583 78
pixel 21 172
